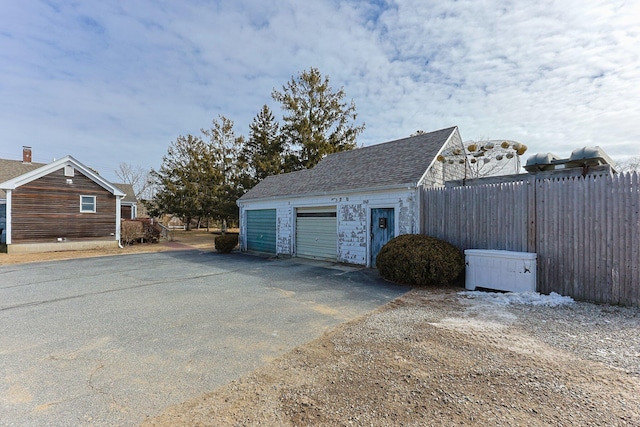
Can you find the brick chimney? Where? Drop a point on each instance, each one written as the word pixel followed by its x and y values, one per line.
pixel 26 154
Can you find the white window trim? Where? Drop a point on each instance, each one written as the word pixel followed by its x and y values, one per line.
pixel 86 210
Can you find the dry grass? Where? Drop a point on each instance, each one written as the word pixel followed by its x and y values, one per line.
pixel 196 239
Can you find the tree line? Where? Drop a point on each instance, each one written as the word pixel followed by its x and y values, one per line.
pixel 202 175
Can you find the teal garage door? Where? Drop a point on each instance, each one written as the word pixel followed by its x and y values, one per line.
pixel 261 231
pixel 316 233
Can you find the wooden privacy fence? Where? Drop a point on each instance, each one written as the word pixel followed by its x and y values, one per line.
pixel 585 231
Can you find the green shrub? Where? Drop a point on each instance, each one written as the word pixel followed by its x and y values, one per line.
pixel 226 242
pixel 415 259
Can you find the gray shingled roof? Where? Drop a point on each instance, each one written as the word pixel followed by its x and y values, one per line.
pixel 10 169
pixel 128 190
pixel 399 162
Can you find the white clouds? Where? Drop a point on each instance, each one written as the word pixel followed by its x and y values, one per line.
pixel 96 79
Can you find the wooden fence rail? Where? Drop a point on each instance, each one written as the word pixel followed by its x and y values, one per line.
pixel 586 231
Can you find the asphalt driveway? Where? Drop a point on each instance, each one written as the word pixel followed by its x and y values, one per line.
pixel 112 340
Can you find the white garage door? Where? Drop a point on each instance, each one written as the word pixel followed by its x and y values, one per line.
pixel 316 233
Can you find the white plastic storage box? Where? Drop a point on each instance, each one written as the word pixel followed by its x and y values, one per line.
pixel 500 270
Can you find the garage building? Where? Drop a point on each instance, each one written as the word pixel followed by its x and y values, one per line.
pixel 350 204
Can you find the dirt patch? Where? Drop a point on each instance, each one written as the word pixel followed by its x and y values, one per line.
pixel 195 239
pixel 437 358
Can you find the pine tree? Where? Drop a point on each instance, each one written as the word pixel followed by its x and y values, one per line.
pixel 263 152
pixel 317 120
pixel 200 178
pixel 226 149
pixel 184 180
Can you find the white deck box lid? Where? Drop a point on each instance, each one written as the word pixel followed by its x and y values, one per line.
pixel 494 253
pixel 500 270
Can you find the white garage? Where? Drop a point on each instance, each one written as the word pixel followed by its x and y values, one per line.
pixel 351 203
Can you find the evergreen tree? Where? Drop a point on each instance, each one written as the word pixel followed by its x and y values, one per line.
pixel 201 178
pixel 263 151
pixel 317 120
pixel 226 149
pixel 184 180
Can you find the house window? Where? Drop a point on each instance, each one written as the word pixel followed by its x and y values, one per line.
pixel 88 204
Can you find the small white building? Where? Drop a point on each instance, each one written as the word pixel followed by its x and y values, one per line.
pixel 350 204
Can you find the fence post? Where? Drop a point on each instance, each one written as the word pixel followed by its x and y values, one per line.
pixel 531 214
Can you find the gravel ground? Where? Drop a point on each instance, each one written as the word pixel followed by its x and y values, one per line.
pixel 441 357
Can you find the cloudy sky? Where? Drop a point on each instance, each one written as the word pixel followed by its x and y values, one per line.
pixel 117 81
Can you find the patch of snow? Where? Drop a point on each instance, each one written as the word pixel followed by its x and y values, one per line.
pixel 523 298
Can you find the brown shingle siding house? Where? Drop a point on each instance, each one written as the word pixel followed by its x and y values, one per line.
pixel 62 205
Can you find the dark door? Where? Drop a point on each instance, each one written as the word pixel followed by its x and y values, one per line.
pixel 125 212
pixel 382 230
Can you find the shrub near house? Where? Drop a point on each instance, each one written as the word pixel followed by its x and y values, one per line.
pixel 415 259
pixel 141 229
pixel 130 231
pixel 225 243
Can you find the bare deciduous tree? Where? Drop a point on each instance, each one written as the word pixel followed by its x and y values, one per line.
pixel 138 177
pixel 629 165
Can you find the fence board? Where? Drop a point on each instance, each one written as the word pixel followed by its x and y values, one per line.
pixel 603 284
pixel 626 230
pixel 580 251
pixel 634 254
pixel 615 248
pixel 586 231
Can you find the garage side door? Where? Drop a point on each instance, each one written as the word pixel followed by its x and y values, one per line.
pixel 261 230
pixel 316 233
